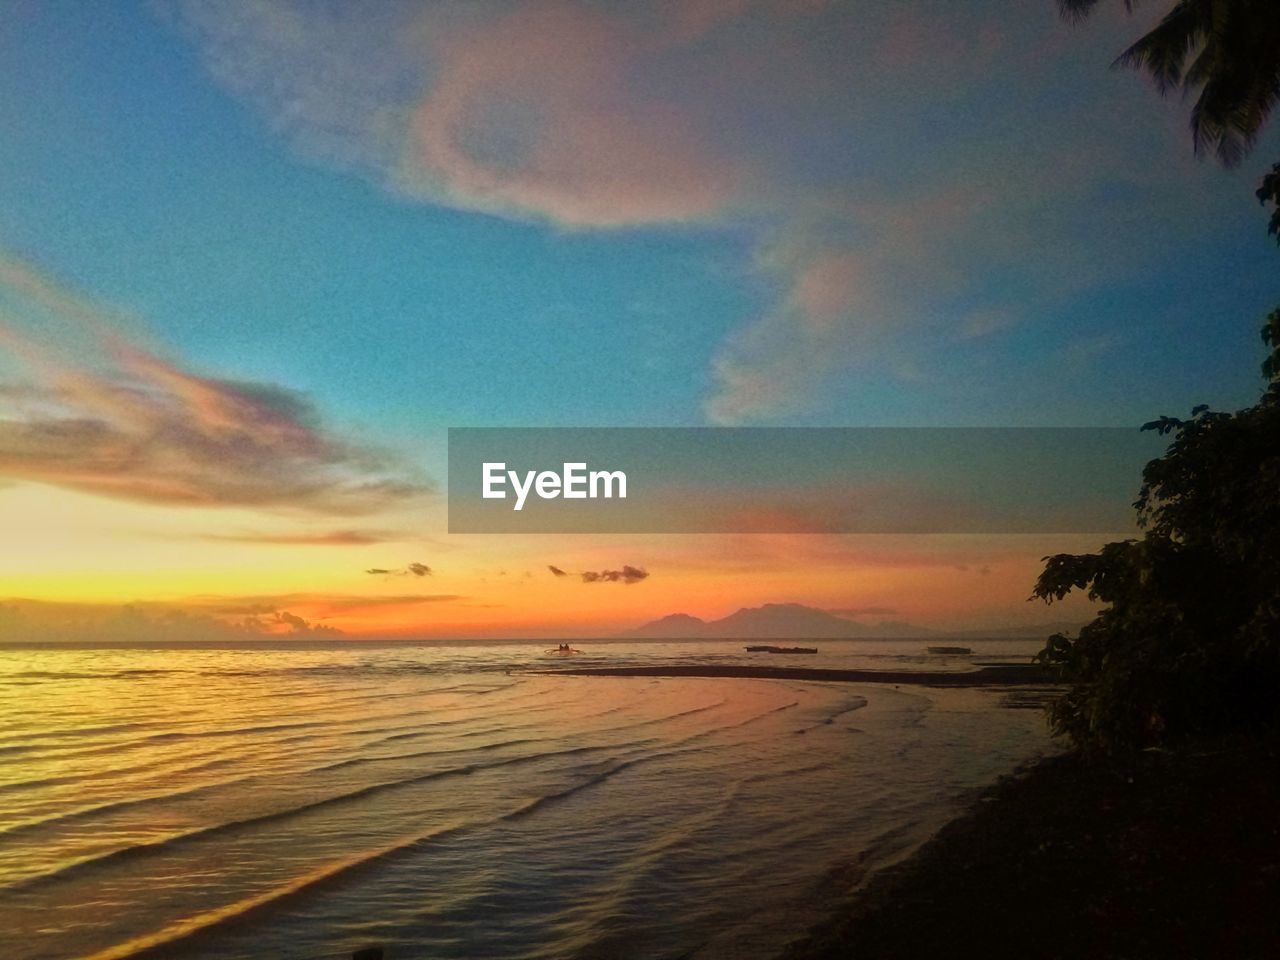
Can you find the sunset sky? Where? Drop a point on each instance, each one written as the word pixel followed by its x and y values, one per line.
pixel 256 258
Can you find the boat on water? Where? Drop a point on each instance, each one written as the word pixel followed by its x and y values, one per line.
pixel 956 650
pixel 563 650
pixel 773 649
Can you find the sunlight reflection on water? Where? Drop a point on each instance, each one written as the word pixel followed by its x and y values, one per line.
pixel 446 802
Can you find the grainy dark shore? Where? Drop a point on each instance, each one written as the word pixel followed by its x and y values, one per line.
pixel 1003 675
pixel 1163 856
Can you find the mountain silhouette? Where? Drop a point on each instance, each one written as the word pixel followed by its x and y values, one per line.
pixel 795 621
pixel 773 621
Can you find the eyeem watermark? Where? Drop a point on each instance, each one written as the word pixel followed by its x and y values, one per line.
pixel 574 482
pixel 909 480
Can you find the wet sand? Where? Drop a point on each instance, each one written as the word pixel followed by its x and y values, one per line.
pixel 1001 675
pixel 1161 856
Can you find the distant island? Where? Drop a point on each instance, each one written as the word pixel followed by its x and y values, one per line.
pixel 780 621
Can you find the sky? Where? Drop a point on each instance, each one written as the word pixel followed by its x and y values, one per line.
pixel 256 258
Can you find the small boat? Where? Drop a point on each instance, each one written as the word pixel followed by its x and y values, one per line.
pixel 564 650
pixel 772 649
pixel 956 650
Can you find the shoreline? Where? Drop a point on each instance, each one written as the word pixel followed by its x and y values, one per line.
pixel 1001 675
pixel 1165 855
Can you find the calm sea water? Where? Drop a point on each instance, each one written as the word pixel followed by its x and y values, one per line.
pixel 448 801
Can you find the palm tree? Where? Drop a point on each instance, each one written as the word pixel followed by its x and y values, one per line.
pixel 1229 50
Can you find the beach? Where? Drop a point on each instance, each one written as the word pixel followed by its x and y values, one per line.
pixel 1155 855
pixel 458 801
pixel 1160 855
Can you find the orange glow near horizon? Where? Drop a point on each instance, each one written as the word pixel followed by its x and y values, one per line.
pixel 78 560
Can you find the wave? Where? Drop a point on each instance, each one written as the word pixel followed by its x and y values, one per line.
pixel 135 850
pixel 416 754
pixel 82 813
pixel 150 847
pixel 93 675
pixel 41 749
pixel 170 736
pixel 150 945
pixel 856 703
pixel 597 939
pixel 167 766
pixel 110 773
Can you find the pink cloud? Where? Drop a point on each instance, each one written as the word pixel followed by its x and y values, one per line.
pixel 135 426
pixel 826 288
pixel 542 112
pixel 833 309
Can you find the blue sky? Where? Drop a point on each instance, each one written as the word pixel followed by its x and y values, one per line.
pixel 133 175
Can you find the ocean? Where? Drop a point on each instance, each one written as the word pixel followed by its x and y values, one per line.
pixel 453 801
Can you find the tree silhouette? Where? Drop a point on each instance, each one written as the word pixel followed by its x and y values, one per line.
pixel 1189 642
pixel 1228 50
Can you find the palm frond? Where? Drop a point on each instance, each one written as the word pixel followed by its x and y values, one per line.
pixel 1163 51
pixel 1073 11
pixel 1227 50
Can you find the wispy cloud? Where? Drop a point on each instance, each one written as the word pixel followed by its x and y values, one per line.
pixel 133 425
pixel 832 306
pixel 317 605
pixel 328 538
pixel 409 570
pixel 628 574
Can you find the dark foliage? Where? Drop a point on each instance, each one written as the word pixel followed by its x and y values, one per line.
pixel 1188 643
pixel 1269 192
pixel 1160 856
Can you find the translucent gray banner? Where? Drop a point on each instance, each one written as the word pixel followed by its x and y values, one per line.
pixel 796 480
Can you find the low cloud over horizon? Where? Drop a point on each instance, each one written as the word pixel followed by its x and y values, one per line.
pixel 199 618
pixel 127 424
pixel 24 621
